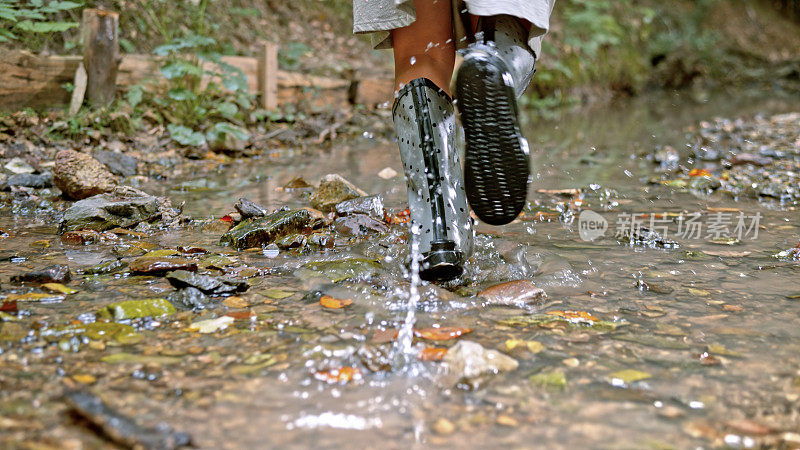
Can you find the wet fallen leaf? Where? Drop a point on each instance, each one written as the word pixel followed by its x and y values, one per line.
pixel 507 421
pixel 699 173
pixel 749 427
pixel 628 376
pixel 444 426
pixel 698 292
pixel 341 375
pixel 432 354
pixel 554 380
pixel 84 378
pixel 276 294
pixel 34 297
pixel 58 288
pixel 719 349
pixel 732 308
pixel 42 243
pixel 441 333
pixel 211 325
pixel 334 303
pixel 727 253
pixel 793 297
pixel 532 346
pixel 235 302
pixel 384 336
pixel 242 315
pixel 574 316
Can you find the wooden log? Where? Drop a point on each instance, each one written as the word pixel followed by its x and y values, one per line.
pixel 100 30
pixel 268 75
pixel 28 80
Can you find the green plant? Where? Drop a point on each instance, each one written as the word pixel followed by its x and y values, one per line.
pixel 35 22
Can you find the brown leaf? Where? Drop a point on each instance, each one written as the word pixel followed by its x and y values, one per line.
pixel 432 354
pixel 341 375
pixel 384 336
pixel 334 303
pixel 441 333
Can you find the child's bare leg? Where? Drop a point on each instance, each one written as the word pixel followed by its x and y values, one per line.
pixel 426 48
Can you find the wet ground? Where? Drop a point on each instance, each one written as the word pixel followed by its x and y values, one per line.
pixel 684 338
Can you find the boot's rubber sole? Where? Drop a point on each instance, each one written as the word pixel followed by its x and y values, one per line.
pixel 442 263
pixel 496 160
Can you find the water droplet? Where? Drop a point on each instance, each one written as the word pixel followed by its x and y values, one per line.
pixel 413 60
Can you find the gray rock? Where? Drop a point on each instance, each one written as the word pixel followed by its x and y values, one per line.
pixel 359 225
pixel 248 208
pixel 371 205
pixel 117 163
pixel 79 176
pixel 125 207
pixel 333 189
pixel 43 180
pixel 206 283
pixel 468 365
pixel 19 165
pixel 57 273
pixel 189 297
pixel 261 231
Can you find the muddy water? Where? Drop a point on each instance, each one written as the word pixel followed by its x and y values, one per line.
pixel 664 347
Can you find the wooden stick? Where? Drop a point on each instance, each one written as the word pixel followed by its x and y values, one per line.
pixel 268 75
pixel 78 90
pixel 101 54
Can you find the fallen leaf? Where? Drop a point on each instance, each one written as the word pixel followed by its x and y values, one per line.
pixel 58 288
pixel 242 315
pixel 441 333
pixel 384 336
pixel 575 316
pixel 341 375
pixel 532 346
pixel 277 294
pixel 732 308
pixel 628 376
pixel 235 302
pixel 84 378
pixel 432 354
pixel 699 173
pixel 726 253
pixel 211 325
pixel 334 303
pixel 507 421
pixel 749 427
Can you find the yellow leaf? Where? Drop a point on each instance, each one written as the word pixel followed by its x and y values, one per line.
pixel 334 303
pixel 59 288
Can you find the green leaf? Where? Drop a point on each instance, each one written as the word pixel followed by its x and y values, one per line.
pixel 193 41
pixel 227 109
pixel 233 130
pixel 56 6
pixel 134 96
pixel 185 135
pixel 45 27
pixel 180 68
pixel 181 94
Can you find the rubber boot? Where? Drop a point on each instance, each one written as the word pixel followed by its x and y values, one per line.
pixel 495 72
pixel 425 124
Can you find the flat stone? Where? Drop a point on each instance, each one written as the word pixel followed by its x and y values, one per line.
pixel 519 293
pixel 333 189
pixel 36 181
pixel 118 163
pixel 248 208
pixel 109 266
pixel 79 176
pixel 19 165
pixel 468 364
pixel 261 231
pixel 371 205
pixel 340 270
pixel 135 309
pixel 125 207
pixel 206 283
pixel 161 264
pixel 57 273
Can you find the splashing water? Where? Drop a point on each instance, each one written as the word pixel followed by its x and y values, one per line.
pixel 403 348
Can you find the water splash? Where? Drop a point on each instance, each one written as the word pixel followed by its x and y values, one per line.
pixel 403 348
